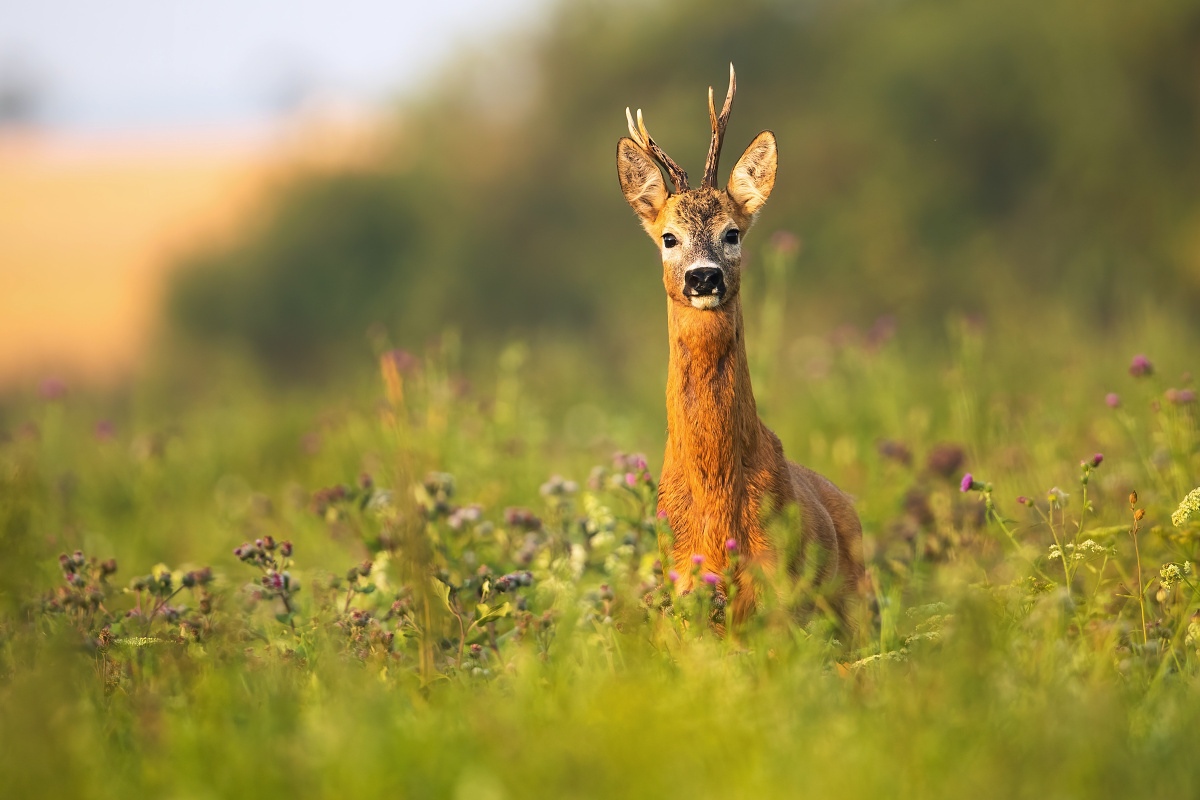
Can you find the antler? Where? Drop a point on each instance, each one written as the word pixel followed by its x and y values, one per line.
pixel 718 130
pixel 643 140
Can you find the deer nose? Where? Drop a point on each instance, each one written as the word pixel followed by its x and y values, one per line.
pixel 704 281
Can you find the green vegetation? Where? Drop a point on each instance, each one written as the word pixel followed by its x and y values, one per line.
pixel 407 575
pixel 935 157
pixel 417 606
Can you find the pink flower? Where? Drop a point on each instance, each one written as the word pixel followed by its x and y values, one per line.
pixel 711 578
pixel 52 389
pixel 1140 366
pixel 967 483
pixel 661 514
pixel 697 559
pixel 1181 397
pixel 673 576
pixel 1112 400
pixel 731 544
pixel 630 479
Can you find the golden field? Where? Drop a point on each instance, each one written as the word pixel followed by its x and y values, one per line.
pixel 89 226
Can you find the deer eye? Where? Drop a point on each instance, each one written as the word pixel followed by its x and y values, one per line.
pixel 669 240
pixel 731 236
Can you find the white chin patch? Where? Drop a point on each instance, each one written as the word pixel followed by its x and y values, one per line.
pixel 707 302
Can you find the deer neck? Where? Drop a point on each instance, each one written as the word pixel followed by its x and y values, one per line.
pixel 712 420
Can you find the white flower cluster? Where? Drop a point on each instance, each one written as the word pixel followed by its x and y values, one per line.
pixel 1188 509
pixel 1171 574
pixel 1086 549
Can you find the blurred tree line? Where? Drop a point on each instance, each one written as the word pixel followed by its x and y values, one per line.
pixel 936 156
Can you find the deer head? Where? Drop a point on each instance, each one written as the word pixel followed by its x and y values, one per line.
pixel 699 231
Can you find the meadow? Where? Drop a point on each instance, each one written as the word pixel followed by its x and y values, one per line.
pixel 440 577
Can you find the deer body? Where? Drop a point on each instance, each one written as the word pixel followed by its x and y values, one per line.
pixel 724 472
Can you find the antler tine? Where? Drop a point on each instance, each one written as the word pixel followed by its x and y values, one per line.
pixel 643 140
pixel 718 124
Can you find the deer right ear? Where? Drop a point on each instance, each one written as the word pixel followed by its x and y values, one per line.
pixel 641 181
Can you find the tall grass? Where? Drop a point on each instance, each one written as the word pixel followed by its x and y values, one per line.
pixel 437 591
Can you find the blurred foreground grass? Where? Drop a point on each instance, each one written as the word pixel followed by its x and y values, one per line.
pixel 467 625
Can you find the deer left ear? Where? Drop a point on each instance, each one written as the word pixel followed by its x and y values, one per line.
pixel 753 176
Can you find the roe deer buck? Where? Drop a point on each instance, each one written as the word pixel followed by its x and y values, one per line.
pixel 724 473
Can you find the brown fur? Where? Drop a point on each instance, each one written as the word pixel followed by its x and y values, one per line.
pixel 724 474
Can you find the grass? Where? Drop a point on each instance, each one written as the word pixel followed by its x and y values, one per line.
pixel 465 625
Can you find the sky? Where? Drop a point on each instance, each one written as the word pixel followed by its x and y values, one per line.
pixel 120 65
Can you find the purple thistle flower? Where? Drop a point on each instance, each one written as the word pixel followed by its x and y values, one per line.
pixel 711 578
pixel 1140 366
pixel 967 483
pixel 630 479
pixel 673 576
pixel 697 559
pixel 1112 400
pixel 1023 500
pixel 1097 460
pixel 661 514
pixel 731 544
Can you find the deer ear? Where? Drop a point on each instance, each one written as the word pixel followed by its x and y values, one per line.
pixel 753 176
pixel 641 181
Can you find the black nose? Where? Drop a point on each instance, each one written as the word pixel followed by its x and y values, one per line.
pixel 704 280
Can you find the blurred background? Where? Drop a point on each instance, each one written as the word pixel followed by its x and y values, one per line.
pixel 292 186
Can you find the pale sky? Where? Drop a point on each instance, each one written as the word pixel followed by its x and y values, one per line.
pixel 135 64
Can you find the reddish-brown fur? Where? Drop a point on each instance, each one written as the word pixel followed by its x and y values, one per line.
pixel 724 474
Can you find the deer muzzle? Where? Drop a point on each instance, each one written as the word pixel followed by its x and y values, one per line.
pixel 704 286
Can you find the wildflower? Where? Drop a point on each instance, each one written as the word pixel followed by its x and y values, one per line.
pixel 1057 496
pixel 896 451
pixel 1188 509
pixel 711 578
pixel 1140 367
pixel 968 483
pixel 661 514
pixel 104 431
pixel 697 559
pixel 786 242
pixel 731 544
pixel 673 576
pixel 400 360
pixel 1097 459
pixel 1023 500
pixel 1172 573
pixel 945 459
pixel 557 486
pixel 52 389
pixel 1112 400
pixel 631 479
pixel 522 518
pixel 1180 397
